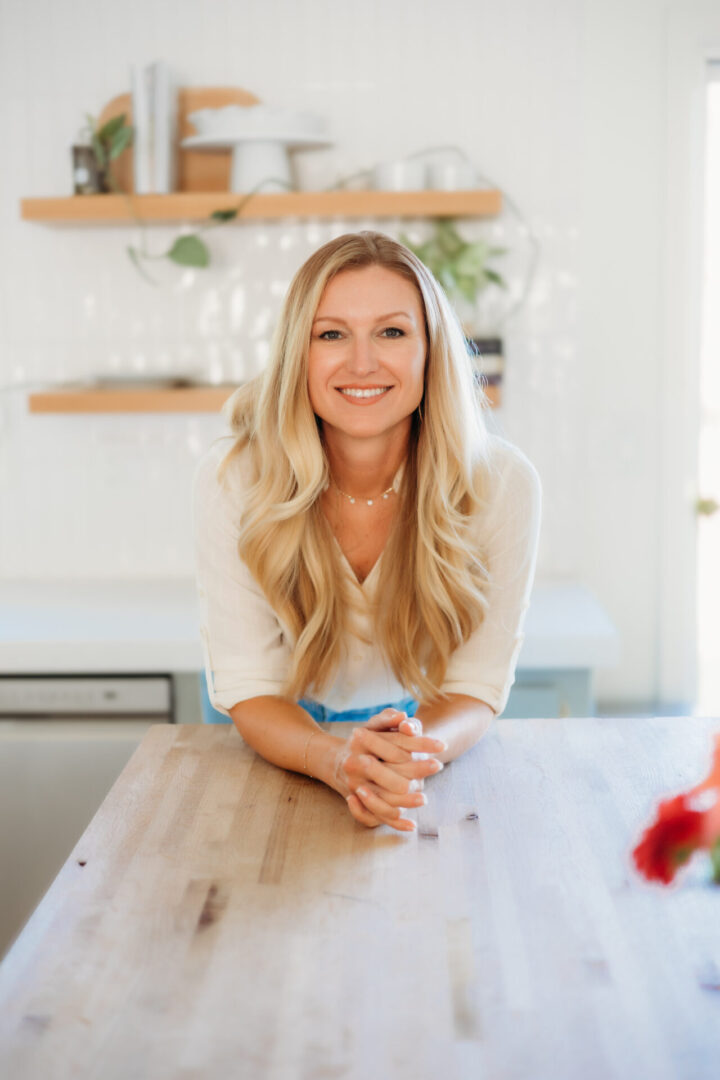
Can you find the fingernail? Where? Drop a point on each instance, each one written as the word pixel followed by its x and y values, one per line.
pixel 439 765
pixel 362 791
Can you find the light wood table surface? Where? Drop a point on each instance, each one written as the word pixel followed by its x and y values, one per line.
pixel 223 918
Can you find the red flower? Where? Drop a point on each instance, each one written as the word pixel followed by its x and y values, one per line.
pixel 670 841
pixel 679 829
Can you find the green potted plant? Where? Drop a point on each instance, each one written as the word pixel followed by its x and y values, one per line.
pixel 464 270
pixel 107 143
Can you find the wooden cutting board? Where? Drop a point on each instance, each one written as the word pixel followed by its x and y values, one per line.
pixel 197 171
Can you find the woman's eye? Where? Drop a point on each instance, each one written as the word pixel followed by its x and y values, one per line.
pixel 335 335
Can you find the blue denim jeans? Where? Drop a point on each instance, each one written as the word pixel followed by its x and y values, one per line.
pixel 319 713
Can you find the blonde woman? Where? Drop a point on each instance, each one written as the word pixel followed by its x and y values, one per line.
pixel 364 547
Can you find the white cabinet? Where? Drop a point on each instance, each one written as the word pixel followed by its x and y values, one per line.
pixel 54 774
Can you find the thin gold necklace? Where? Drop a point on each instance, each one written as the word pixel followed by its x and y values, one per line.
pixel 353 499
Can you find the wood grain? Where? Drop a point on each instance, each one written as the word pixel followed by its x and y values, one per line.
pixel 221 917
pixel 131 400
pixel 198 206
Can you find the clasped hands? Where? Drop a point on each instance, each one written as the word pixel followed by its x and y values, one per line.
pixel 382 769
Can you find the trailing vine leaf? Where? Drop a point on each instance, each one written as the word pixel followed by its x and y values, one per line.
pixel 493 276
pixel 223 215
pixel 189 251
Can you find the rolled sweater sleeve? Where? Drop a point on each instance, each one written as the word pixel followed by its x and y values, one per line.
pixel 484 666
pixel 245 650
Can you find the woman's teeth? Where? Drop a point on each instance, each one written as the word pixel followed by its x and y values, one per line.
pixel 374 391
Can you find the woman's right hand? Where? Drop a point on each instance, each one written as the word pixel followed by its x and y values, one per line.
pixel 380 774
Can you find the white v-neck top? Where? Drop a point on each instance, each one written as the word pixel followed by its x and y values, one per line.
pixel 247 649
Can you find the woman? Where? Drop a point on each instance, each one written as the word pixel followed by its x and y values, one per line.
pixel 364 548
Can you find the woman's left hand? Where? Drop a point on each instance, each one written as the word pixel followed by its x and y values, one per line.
pixel 390 741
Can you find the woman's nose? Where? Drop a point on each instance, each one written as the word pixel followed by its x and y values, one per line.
pixel 361 358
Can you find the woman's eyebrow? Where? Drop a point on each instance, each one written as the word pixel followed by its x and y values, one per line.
pixel 380 318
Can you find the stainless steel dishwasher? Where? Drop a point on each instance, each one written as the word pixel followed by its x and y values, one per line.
pixel 64 740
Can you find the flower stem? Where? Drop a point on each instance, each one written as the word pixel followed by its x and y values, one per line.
pixel 715 859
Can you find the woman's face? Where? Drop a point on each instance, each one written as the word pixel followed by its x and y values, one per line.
pixel 366 367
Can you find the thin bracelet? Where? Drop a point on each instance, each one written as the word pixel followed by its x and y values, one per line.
pixel 310 737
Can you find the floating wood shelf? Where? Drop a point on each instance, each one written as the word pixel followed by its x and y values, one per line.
pixel 193 399
pixel 133 400
pixel 203 180
pixel 197 206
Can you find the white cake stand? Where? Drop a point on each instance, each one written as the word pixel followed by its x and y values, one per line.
pixel 257 157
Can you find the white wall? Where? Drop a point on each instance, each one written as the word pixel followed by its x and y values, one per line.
pixel 562 102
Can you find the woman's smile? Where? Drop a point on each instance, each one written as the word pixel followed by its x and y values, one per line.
pixel 363 395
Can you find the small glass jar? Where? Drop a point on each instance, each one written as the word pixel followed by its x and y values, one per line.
pixel 88 177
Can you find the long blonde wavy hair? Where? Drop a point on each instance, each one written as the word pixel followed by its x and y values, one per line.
pixel 431 581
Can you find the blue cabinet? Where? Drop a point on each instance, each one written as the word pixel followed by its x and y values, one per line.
pixel 551 692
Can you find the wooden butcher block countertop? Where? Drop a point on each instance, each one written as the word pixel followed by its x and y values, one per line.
pixel 223 918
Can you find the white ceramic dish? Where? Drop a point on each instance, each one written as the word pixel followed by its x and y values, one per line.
pixel 258 162
pixel 264 121
pixel 227 142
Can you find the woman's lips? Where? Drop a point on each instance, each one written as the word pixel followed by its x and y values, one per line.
pixel 363 395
